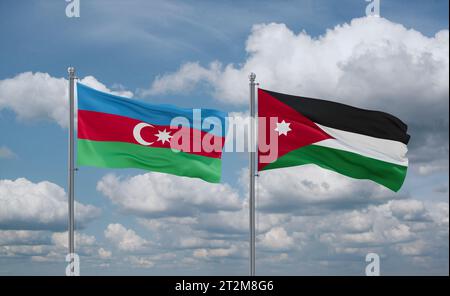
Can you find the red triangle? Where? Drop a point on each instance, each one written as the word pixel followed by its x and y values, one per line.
pixel 303 131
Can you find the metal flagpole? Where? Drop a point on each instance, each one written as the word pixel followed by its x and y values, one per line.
pixel 253 150
pixel 71 71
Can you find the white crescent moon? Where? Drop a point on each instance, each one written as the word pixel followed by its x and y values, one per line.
pixel 137 133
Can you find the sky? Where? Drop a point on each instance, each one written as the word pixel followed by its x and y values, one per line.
pixel 198 54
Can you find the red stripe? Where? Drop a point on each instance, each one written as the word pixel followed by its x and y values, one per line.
pixel 98 126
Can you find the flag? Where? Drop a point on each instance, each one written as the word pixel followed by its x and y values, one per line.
pixel 358 143
pixel 117 132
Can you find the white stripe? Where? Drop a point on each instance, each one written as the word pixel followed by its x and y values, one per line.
pixel 381 149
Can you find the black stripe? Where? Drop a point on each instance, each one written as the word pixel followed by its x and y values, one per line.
pixel 344 117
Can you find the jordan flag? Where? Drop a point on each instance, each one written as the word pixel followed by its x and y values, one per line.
pixel 358 143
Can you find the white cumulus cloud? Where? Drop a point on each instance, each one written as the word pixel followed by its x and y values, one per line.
pixel 155 194
pixel 356 61
pixel 124 239
pixel 41 96
pixel 310 189
pixel 277 239
pixel 104 254
pixel 23 237
pixel 38 206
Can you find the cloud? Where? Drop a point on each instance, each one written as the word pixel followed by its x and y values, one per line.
pixel 326 218
pixel 214 253
pixel 409 210
pixel 185 79
pixel 355 222
pixel 43 246
pixel 439 212
pixel 371 50
pixel 393 223
pixel 415 248
pixel 94 83
pixel 104 254
pixel 303 212
pixel 370 63
pixel 25 205
pixel 60 240
pixel 163 259
pixel 157 195
pixel 395 229
pixel 331 242
pixel 23 237
pixel 277 239
pixel 6 153
pixel 236 223
pixel 140 262
pixel 35 95
pixel 309 190
pixel 41 96
pixel 24 250
pixel 124 239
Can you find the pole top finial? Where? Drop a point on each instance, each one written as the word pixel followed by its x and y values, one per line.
pixel 71 70
pixel 252 77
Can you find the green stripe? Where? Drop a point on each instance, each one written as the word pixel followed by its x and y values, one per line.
pixel 127 155
pixel 346 163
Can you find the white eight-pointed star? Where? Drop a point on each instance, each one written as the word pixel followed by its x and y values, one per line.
pixel 283 128
pixel 163 136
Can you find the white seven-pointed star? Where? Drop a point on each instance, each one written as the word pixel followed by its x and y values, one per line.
pixel 283 128
pixel 163 136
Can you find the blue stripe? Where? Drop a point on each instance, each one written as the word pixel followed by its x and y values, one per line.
pixel 94 100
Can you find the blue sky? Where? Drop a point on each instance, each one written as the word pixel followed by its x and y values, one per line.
pixel 142 47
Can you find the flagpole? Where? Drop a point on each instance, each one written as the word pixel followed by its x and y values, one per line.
pixel 253 150
pixel 71 184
